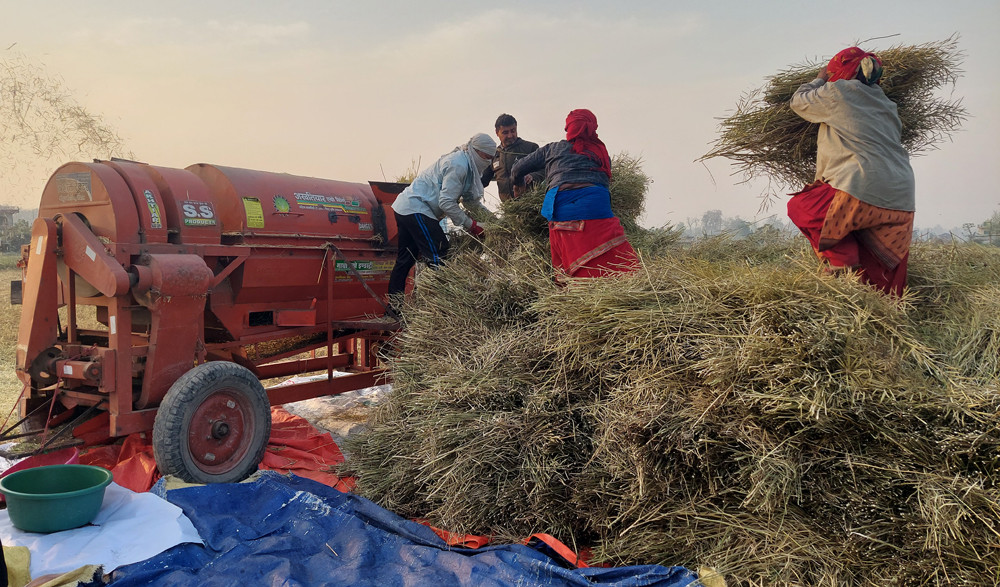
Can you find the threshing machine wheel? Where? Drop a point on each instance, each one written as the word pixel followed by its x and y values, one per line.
pixel 213 425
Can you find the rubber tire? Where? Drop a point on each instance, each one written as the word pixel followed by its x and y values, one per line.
pixel 197 392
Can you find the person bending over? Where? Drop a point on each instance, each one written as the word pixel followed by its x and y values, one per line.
pixel 436 194
pixel 585 237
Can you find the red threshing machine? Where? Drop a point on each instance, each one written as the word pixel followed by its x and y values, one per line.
pixel 200 283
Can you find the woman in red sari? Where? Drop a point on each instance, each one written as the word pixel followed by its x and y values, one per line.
pixel 858 214
pixel 585 237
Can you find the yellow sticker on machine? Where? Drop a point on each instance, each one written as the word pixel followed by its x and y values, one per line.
pixel 255 212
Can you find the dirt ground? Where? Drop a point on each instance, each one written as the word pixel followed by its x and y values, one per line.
pixel 340 415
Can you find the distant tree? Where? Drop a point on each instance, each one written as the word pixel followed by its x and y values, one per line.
pixel 738 227
pixel 15 235
pixel 990 229
pixel 711 222
pixel 692 227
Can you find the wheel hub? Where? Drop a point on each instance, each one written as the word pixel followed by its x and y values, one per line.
pixel 220 431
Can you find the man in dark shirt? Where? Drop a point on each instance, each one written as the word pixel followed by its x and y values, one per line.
pixel 511 149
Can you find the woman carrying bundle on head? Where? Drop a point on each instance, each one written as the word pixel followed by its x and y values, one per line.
pixel 585 237
pixel 858 214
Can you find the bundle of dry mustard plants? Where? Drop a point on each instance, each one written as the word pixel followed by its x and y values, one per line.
pixel 727 406
pixel 765 139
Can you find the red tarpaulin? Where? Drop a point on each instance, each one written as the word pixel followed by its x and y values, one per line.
pixel 295 446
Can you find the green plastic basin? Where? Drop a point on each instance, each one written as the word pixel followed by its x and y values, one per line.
pixel 53 498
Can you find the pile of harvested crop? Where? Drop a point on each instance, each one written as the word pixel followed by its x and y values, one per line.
pixel 473 436
pixel 784 428
pixel 764 138
pixel 728 406
pixel 959 313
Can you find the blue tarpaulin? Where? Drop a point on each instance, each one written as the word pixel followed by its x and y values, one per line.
pixel 287 530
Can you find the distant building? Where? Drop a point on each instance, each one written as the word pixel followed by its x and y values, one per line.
pixel 985 234
pixel 7 216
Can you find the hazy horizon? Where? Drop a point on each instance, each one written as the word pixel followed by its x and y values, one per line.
pixel 361 92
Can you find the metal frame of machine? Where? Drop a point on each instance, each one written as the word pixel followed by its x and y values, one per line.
pixel 204 281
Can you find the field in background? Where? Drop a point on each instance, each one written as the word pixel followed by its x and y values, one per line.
pixel 10 316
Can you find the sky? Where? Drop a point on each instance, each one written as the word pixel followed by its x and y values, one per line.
pixel 360 91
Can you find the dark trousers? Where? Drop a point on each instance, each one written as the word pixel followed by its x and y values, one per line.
pixel 419 236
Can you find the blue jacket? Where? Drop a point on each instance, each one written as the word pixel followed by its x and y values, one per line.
pixel 437 190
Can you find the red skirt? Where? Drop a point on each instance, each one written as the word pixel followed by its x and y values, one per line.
pixel 849 233
pixel 591 248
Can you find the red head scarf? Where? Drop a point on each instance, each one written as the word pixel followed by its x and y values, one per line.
pixel 845 65
pixel 581 130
